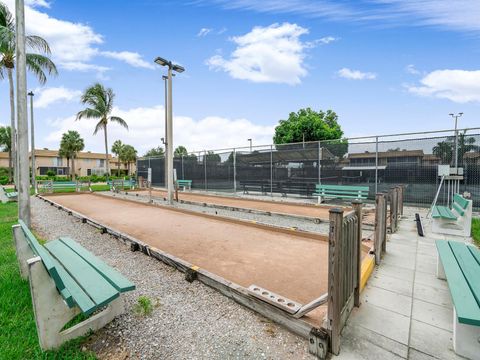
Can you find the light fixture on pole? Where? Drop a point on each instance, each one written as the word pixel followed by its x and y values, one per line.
pixel 456 137
pixel 32 136
pixel 250 140
pixel 169 134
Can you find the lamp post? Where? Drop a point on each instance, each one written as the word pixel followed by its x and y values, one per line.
pixel 169 135
pixel 164 139
pixel 250 140
pixel 456 137
pixel 32 136
pixel 22 118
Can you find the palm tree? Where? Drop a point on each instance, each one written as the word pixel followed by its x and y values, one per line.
pixel 100 102
pixel 117 149
pixel 6 145
pixel 71 144
pixel 128 155
pixel 37 63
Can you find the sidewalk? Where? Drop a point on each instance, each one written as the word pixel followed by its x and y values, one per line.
pixel 405 311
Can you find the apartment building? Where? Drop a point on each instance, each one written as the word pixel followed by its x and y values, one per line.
pixel 87 163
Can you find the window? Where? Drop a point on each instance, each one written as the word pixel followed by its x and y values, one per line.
pixel 58 161
pixel 101 163
pixel 89 172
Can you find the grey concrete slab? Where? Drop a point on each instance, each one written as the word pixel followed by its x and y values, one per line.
pixel 401 248
pixel 432 340
pixel 360 343
pixel 426 265
pixel 432 294
pixel 394 272
pixel 402 287
pixel 432 314
pixel 430 280
pixel 417 355
pixel 387 323
pixel 388 300
pixel 399 259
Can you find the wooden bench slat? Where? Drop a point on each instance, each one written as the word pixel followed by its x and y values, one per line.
pixel 48 262
pixel 460 200
pixel 117 280
pixel 475 253
pixel 92 283
pixel 339 187
pixel 469 266
pixel 468 311
pixel 340 196
pixel 443 212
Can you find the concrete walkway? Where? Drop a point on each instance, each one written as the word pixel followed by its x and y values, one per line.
pixel 406 312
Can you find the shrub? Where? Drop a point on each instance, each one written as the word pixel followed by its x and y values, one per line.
pixel 3 180
pixel 41 177
pixel 51 173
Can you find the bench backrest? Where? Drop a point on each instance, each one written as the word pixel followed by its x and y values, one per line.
pixel 48 261
pixel 360 191
pixel 460 204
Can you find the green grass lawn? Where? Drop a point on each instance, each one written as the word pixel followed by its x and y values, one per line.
pixel 95 187
pixel 476 230
pixel 18 334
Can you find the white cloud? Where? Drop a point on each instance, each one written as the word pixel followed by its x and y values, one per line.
pixel 459 86
pixel 204 32
pixel 83 67
pixel 39 3
pixel 356 74
pixel 412 70
pixel 47 96
pixel 459 15
pixel 146 128
pixel 328 39
pixel 132 58
pixel 266 54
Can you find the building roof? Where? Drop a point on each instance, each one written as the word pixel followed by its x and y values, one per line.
pixel 386 154
pixel 81 155
pixel 471 155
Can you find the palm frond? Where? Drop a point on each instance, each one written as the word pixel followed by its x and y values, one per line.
pixel 38 43
pixel 38 64
pixel 88 113
pixel 119 121
pixel 101 125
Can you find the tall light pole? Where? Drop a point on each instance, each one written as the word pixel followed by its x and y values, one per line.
pixel 32 136
pixel 169 135
pixel 165 139
pixel 22 120
pixel 250 140
pixel 456 137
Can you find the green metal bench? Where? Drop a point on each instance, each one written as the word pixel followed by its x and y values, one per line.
pixel 459 264
pixel 340 192
pixel 185 184
pixel 454 221
pixel 7 196
pixel 66 280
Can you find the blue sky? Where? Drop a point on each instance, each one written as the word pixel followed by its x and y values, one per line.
pixel 385 66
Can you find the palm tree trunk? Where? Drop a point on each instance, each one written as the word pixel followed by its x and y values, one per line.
pixel 118 165
pixel 73 168
pixel 106 150
pixel 68 165
pixel 10 166
pixel 13 136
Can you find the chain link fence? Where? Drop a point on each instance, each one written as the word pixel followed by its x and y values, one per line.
pixel 379 162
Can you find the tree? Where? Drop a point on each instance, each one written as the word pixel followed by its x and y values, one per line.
pixel 37 61
pixel 213 158
pixel 158 151
pixel 6 145
pixel 117 149
pixel 100 102
pixel 70 145
pixel 180 151
pixel 128 154
pixel 308 125
pixel 445 150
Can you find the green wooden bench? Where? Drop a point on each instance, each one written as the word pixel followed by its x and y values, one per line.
pixel 459 264
pixel 185 184
pixel 7 196
pixel 453 221
pixel 66 280
pixel 340 192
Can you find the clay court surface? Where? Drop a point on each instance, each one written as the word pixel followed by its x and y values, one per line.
pixel 290 264
pixel 286 208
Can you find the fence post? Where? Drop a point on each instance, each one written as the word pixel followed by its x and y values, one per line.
pixel 271 170
pixel 376 164
pixel 357 206
pixel 334 300
pixel 183 168
pixel 401 191
pixel 319 163
pixel 393 197
pixel 205 168
pixel 380 226
pixel 234 171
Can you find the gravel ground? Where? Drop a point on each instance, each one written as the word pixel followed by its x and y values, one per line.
pixel 282 221
pixel 189 321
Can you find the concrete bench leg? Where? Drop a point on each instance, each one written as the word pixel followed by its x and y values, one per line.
pixel 440 270
pixel 51 312
pixel 466 338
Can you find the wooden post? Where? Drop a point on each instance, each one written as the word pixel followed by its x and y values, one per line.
pixel 392 195
pixel 380 226
pixel 334 281
pixel 357 206
pixel 401 189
